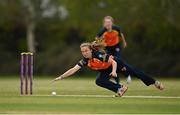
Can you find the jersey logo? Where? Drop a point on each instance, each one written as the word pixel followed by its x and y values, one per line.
pixel 100 56
pixel 117 49
pixel 97 64
pixel 111 38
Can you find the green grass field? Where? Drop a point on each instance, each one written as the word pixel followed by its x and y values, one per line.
pixel 43 102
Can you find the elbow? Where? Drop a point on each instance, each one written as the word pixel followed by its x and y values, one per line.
pixel 114 62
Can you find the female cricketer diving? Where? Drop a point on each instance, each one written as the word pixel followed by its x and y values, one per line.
pixel 111 36
pixel 108 66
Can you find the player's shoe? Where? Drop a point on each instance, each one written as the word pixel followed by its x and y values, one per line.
pixel 159 85
pixel 128 80
pixel 121 91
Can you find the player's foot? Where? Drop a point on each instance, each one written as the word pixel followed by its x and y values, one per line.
pixel 159 85
pixel 128 79
pixel 122 90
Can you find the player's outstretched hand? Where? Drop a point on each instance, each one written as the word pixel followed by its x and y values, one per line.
pixel 56 79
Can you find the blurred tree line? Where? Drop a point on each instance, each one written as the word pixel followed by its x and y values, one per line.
pixel 54 29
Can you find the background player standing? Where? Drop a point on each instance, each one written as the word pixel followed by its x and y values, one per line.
pixel 111 36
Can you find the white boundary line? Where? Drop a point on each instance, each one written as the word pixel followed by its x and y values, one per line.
pixel 81 114
pixel 108 96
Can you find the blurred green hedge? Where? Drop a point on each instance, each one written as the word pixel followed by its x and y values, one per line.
pixel 151 28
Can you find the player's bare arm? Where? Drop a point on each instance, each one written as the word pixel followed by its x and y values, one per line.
pixel 68 73
pixel 114 66
pixel 124 40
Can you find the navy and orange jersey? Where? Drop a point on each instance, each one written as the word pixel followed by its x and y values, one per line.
pixel 110 38
pixel 99 61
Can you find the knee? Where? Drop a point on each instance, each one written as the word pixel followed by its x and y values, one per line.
pixel 99 82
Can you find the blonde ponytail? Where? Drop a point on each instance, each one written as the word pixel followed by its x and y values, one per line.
pixel 97 46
